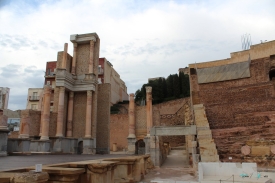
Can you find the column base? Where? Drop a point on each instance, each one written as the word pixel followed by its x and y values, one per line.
pixel 44 138
pixel 3 142
pixel 88 146
pixel 19 146
pixel 59 135
pixel 131 136
pixel 131 145
pixel 40 146
pixel 24 136
pixel 64 145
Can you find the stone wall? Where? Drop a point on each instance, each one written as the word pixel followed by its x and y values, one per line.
pixel 119 130
pixel 35 117
pixel 169 113
pixel 82 57
pixel 79 120
pixel 238 110
pixel 103 118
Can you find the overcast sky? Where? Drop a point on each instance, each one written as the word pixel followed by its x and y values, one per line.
pixel 141 38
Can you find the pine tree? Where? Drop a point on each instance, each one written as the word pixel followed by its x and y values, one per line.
pixel 176 86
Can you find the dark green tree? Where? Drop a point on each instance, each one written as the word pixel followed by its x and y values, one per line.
pixel 170 87
pixel 176 86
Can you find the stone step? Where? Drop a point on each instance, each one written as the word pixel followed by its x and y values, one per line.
pixel 209 158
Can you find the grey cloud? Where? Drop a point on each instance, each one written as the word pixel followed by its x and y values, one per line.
pixel 17 42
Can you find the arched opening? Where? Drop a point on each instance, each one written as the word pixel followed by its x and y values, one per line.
pixel 140 147
pixel 80 147
pixel 272 74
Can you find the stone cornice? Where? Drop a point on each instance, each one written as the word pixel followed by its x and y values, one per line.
pixel 83 38
pixel 75 83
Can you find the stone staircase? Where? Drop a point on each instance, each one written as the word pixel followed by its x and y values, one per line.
pixel 207 146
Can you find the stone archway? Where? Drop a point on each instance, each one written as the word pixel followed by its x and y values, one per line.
pixel 140 147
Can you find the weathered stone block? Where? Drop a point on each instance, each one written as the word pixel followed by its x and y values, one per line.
pixel 260 150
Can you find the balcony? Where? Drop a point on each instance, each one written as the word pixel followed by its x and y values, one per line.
pixel 33 98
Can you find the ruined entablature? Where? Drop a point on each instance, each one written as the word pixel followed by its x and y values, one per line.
pixel 82 82
pixel 83 38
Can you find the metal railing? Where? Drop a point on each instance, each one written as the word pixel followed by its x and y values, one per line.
pixel 33 97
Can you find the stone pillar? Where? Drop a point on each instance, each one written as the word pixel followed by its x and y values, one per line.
pixel 41 118
pixel 70 115
pixel 64 60
pixel 91 61
pixel 88 115
pixel 149 110
pixel 24 124
pixel 3 134
pixel 60 114
pixel 3 121
pixel 74 59
pixel 132 120
pixel 132 126
pixel 46 113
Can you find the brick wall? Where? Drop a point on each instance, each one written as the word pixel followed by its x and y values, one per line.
pixel 80 101
pixel 103 117
pixel 119 130
pixel 238 110
pixel 165 114
pixel 82 57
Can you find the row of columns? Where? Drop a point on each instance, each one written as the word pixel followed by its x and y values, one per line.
pixel 149 113
pixel 45 109
pixel 45 114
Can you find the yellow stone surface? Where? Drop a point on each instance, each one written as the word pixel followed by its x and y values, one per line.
pixel 260 150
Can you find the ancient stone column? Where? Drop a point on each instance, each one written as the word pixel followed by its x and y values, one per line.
pixel 70 115
pixel 60 114
pixel 132 122
pixel 149 110
pixel 46 113
pixel 91 61
pixel 3 121
pixel 64 60
pixel 41 118
pixel 74 59
pixel 88 115
pixel 24 124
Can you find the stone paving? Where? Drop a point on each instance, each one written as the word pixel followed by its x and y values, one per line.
pixel 174 170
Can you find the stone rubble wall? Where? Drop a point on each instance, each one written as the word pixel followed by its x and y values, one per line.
pixel 239 110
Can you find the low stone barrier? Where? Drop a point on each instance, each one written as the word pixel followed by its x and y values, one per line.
pixel 128 169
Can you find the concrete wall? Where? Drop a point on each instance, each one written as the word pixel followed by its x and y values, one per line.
pixel 256 52
pixel 37 102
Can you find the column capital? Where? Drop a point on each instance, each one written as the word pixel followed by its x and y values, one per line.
pixel 148 89
pixel 62 89
pixel 75 45
pixel 93 40
pixel 71 94
pixel 89 93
